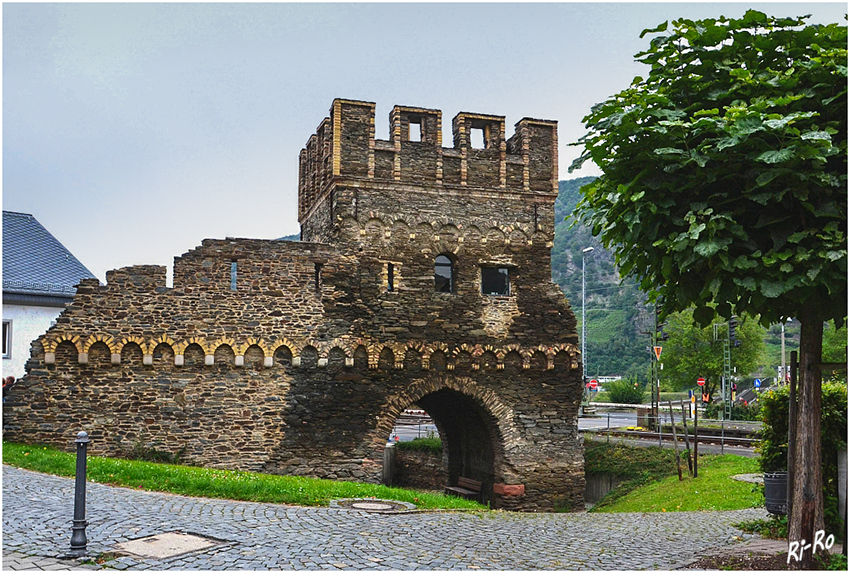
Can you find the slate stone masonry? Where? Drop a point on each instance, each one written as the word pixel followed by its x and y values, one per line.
pixel 297 358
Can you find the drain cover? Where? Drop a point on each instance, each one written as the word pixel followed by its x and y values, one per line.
pixel 371 505
pixel 165 545
pixel 374 505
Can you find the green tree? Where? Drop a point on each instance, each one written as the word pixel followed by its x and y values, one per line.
pixel 725 187
pixel 692 351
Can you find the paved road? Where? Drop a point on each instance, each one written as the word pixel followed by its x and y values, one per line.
pixel 37 511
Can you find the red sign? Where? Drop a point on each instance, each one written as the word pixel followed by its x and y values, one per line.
pixel 593 384
pixel 657 350
pixel 700 381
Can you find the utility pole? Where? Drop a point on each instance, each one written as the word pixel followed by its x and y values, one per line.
pixel 583 321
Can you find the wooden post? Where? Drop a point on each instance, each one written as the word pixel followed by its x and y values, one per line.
pixel 675 440
pixel 687 441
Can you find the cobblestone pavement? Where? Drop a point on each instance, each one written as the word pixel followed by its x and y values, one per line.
pixel 37 512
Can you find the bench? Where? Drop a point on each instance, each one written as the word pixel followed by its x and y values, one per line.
pixel 466 487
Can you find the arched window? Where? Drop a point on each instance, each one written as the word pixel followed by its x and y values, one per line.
pixel 443 274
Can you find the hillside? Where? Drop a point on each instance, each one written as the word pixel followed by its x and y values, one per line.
pixel 616 313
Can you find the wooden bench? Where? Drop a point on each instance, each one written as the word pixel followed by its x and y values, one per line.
pixel 466 487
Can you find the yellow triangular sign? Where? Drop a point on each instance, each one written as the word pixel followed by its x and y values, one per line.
pixel 657 350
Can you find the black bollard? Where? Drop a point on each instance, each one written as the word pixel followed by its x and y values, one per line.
pixel 78 535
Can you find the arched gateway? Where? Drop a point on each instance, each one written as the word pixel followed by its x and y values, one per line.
pixel 423 278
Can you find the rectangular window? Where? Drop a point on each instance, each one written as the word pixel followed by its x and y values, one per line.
pixel 317 276
pixel 7 339
pixel 233 275
pixel 495 281
pixel 415 132
pixel 390 277
pixel 477 139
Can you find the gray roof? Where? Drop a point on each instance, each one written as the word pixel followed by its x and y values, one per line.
pixel 35 262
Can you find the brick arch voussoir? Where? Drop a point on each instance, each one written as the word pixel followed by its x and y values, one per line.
pixel 219 342
pixel 54 342
pixel 109 341
pixel 277 344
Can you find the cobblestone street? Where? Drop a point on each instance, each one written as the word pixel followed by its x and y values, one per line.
pixel 37 513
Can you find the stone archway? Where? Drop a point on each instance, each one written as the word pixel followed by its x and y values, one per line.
pixel 475 426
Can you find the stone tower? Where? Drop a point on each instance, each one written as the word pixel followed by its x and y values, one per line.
pixel 423 277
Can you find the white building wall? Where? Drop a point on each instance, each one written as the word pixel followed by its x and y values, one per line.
pixel 28 323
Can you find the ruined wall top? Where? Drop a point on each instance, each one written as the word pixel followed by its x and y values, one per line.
pixel 344 148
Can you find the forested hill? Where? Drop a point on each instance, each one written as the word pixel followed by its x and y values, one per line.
pixel 616 313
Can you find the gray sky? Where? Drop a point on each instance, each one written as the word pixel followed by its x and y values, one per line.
pixel 134 131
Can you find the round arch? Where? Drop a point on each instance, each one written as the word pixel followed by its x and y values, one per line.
pixel 475 426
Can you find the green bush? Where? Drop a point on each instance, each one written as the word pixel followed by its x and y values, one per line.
pixel 773 444
pixel 431 444
pixel 625 391
pixel 751 412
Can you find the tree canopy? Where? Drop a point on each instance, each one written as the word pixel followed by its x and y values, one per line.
pixel 724 184
pixel 691 352
pixel 727 167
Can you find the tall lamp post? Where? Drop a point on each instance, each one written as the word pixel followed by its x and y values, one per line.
pixel 583 322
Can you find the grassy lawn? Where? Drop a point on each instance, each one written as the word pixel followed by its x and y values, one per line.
pixel 712 490
pixel 212 483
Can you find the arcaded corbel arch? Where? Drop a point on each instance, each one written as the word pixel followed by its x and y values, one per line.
pixel 94 338
pixel 51 344
pixel 240 350
pixel 278 344
pixel 474 351
pixel 430 349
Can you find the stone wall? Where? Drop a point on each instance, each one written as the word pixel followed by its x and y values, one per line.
pixel 419 469
pixel 297 358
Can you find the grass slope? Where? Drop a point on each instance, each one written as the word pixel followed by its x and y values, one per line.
pixel 713 490
pixel 213 483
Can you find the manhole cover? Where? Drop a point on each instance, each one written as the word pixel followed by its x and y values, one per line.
pixel 367 505
pixel 165 545
pixel 372 505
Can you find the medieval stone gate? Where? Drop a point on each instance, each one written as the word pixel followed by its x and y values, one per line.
pixel 423 277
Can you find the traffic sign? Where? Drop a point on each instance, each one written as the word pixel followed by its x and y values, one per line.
pixel 593 384
pixel 657 350
pixel 757 383
pixel 700 381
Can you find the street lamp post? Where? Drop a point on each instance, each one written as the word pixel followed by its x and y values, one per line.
pixel 583 321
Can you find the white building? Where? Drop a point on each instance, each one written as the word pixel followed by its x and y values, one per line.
pixel 39 279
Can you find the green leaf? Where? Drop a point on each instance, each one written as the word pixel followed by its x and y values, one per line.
pixel 708 248
pixel 772 289
pixel 776 156
pixel 659 28
pixel 817 135
pixel 669 151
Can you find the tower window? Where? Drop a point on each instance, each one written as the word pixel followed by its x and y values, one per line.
pixel 477 139
pixel 414 132
pixel 443 274
pixel 390 277
pixel 233 275
pixel 317 276
pixel 495 281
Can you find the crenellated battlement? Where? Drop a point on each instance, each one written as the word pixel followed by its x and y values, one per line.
pixel 344 149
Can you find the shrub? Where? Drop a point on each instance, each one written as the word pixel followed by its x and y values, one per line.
pixel 625 391
pixel 751 412
pixel 431 444
pixel 773 444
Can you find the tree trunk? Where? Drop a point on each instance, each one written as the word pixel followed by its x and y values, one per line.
pixel 807 503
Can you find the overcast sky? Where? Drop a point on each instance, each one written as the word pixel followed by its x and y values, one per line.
pixel 134 131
